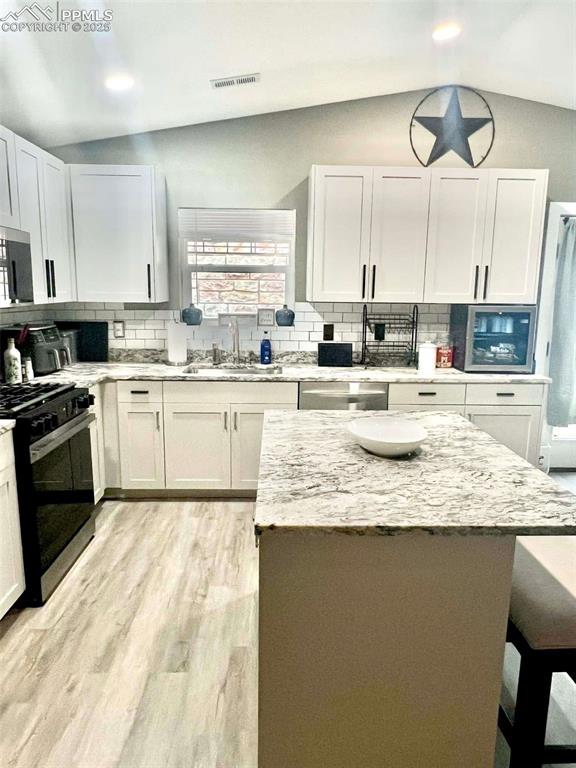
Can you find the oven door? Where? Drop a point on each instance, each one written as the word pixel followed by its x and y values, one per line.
pixel 63 490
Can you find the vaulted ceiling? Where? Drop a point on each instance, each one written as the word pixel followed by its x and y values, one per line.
pixel 52 83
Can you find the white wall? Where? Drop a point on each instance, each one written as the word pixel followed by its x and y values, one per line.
pixel 264 161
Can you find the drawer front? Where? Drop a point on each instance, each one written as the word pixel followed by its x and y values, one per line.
pixel 139 391
pixel 460 409
pixel 230 392
pixel 504 394
pixel 432 394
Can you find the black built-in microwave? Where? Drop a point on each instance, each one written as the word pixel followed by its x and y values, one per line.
pixel 15 267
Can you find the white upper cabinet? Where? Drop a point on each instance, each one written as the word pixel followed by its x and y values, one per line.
pixel 441 235
pixel 44 209
pixel 55 229
pixel 400 203
pixel 513 236
pixel 119 233
pixel 455 235
pixel 31 198
pixel 339 233
pixel 9 211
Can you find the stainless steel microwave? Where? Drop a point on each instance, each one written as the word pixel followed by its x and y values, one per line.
pixel 493 339
pixel 15 267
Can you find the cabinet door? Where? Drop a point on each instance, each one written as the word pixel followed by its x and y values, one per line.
pixel 247 421
pixel 339 233
pixel 400 201
pixel 197 445
pixel 97 444
pixel 141 445
pixel 113 232
pixel 9 210
pixel 11 563
pixel 513 236
pixel 516 426
pixel 455 235
pixel 31 199
pixel 55 225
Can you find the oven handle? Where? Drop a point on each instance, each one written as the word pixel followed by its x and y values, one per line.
pixel 60 436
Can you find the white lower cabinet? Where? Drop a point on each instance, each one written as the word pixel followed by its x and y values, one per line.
pixel 141 445
pixel 97 444
pixel 515 426
pixel 197 445
pixel 181 435
pixel 511 413
pixel 246 438
pixel 11 563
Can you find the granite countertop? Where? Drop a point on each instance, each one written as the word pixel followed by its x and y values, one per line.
pixel 6 425
pixel 314 477
pixel 88 374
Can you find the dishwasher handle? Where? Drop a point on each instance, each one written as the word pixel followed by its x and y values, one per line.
pixel 345 395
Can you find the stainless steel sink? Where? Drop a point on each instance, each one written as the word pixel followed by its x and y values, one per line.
pixel 262 370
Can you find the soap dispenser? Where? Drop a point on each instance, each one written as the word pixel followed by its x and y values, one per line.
pixel 265 350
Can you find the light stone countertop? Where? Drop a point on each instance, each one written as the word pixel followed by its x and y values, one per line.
pixel 314 477
pixel 89 374
pixel 6 425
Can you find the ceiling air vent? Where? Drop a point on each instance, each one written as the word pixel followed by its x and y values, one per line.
pixel 228 82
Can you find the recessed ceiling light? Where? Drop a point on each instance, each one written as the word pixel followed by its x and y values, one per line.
pixel 446 31
pixel 119 82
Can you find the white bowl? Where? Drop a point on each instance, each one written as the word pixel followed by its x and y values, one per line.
pixel 386 436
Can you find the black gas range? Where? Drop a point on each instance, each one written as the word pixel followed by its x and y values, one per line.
pixel 54 478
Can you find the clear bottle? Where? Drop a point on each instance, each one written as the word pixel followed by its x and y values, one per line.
pixel 27 368
pixel 12 364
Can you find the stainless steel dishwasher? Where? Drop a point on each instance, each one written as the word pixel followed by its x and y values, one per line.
pixel 343 396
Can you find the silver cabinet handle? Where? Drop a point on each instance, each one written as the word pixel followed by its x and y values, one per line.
pixel 158 420
pixel 485 283
pixel 476 278
pixel 235 421
pixel 225 421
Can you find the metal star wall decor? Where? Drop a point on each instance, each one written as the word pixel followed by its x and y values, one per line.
pixel 461 122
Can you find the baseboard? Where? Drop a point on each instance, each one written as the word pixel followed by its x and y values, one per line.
pixel 118 493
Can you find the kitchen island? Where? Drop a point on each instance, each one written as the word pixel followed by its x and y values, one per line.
pixel 384 591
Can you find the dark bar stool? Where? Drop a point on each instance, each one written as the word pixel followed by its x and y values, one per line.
pixel 542 627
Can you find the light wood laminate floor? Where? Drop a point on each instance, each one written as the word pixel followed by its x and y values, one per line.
pixel 145 656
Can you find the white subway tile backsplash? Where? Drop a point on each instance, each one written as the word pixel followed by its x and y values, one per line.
pixel 166 314
pixel 147 328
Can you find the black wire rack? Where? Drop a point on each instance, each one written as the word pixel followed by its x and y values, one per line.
pixel 389 337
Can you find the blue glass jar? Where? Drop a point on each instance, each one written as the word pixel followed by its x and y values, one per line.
pixel 284 316
pixel 192 315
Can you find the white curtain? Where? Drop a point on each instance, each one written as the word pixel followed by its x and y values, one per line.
pixel 562 400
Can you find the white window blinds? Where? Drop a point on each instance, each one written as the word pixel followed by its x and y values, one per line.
pixel 236 224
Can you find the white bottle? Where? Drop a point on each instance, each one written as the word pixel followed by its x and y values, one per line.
pixel 427 358
pixel 12 364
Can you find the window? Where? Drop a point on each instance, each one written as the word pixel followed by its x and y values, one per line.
pixel 236 260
